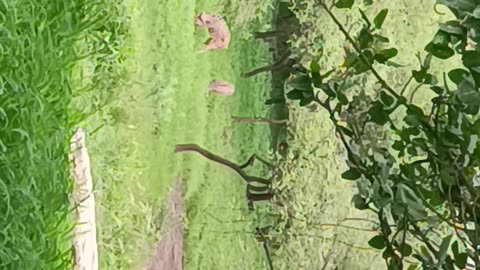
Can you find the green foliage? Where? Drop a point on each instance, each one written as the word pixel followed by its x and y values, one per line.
pixel 380 18
pixel 427 173
pixel 344 3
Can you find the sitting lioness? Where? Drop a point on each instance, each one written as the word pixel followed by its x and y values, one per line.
pixel 217 29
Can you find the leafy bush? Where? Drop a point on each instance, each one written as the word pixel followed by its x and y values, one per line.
pixel 421 183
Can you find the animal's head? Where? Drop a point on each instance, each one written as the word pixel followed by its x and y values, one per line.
pixel 205 19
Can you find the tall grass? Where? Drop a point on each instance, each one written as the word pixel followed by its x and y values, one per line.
pixel 37 54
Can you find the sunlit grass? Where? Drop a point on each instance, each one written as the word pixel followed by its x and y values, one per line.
pixel 160 102
pixel 37 41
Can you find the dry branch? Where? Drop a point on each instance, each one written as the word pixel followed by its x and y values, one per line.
pixel 261 191
pixel 85 242
pixel 281 63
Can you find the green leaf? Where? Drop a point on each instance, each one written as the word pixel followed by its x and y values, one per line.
pixel 344 3
pixel 420 143
pixel 301 82
pixel 430 79
pixel 328 90
pixel 345 131
pixel 342 98
pixel 412 120
pixel 475 75
pixel 462 5
pixel 328 73
pixel 412 151
pixel 427 61
pixel 442 251
pixel 395 264
pixel 415 116
pixel 446 176
pixel 377 114
pixel 380 18
pixel 455 248
pixel 441 38
pixel 360 65
pixel 458 75
pixel 398 145
pixel 415 110
pixel 440 51
pixel 420 75
pixel 306 101
pixel 295 94
pixel 452 27
pixel 467 93
pixel 386 98
pixel 381 38
pixel 471 59
pixel 476 12
pixel 359 202
pixel 385 55
pixel 350 60
pixel 314 66
pixel 365 38
pixel 437 90
pixel 405 250
pixel 461 260
pixel 351 174
pixel 316 79
pixel 377 242
pixel 472 143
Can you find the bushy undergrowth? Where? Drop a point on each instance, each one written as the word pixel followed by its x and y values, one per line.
pixel 421 183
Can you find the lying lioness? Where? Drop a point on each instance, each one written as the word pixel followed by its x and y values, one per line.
pixel 220 87
pixel 217 29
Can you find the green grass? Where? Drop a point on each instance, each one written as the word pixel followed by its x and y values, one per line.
pixel 37 54
pixel 161 103
pixel 146 92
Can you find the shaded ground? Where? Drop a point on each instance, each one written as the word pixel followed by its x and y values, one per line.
pixel 168 253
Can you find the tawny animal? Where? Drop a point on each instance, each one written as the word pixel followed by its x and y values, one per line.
pixel 220 87
pixel 217 29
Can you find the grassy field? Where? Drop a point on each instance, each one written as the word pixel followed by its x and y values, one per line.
pixel 138 78
pixel 161 103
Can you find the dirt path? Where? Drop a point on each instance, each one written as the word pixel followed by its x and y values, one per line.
pixel 169 250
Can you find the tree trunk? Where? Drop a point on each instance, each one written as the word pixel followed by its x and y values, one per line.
pixel 269 34
pixel 282 62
